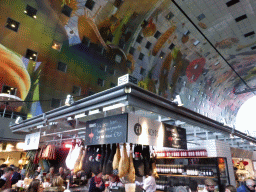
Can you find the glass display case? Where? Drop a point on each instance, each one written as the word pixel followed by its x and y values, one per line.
pixel 181 171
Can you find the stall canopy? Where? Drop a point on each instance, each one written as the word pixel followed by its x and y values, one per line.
pixel 67 122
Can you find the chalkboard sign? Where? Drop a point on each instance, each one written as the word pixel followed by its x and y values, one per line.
pixel 175 137
pixel 107 130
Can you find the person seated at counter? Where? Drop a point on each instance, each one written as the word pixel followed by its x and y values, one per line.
pixel 47 182
pixel 57 185
pixel 62 173
pixel 5 180
pixel 193 186
pixel 115 181
pixel 34 186
pixel 37 172
pixel 209 185
pixel 249 186
pixel 51 174
pixel 96 183
pixel 16 175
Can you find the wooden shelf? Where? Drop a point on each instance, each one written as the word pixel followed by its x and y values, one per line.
pixel 172 175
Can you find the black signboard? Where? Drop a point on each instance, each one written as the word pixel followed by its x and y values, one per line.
pixel 175 137
pixel 107 130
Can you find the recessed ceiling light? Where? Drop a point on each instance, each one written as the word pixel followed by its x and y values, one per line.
pixel 30 58
pixel 34 16
pixel 196 42
pixel 12 25
pixel 25 11
pixel 34 54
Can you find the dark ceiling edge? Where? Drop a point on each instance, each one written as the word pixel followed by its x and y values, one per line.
pixel 183 12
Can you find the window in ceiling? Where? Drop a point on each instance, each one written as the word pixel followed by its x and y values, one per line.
pixel 128 64
pixel 89 4
pixel 196 42
pixel 100 82
pixel 76 90
pixel 12 25
pixel 232 2
pixel 86 41
pixel 30 54
pixel 131 51
pixel 148 45
pixel 249 34
pixel 241 18
pixel 161 55
pixel 200 17
pixel 112 71
pixel 157 34
pixel 112 84
pixel 30 11
pixel 189 97
pixel 9 90
pixel 169 16
pixel 118 3
pixel 103 67
pixel 139 39
pixel 55 103
pixel 62 67
pixel 142 71
pixel 254 47
pixel 141 56
pixel 56 45
pixel 118 58
pixel 171 46
pixel 217 63
pixel 66 10
pixel 187 32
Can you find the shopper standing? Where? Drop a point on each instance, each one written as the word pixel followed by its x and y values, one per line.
pixel 230 188
pixel 5 181
pixel 51 174
pixel 96 182
pixel 248 187
pixel 149 184
pixel 209 185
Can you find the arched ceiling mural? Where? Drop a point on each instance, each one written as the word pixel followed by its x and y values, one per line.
pixel 202 50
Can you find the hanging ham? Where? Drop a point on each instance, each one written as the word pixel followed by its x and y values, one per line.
pixel 146 159
pixel 117 158
pixel 131 173
pixel 82 158
pixel 124 163
pixel 138 162
pixel 78 160
pixel 108 151
pixel 109 167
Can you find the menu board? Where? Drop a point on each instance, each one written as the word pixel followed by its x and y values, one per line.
pixel 175 137
pixel 107 130
pixel 32 141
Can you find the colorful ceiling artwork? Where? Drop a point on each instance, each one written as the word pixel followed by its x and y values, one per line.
pixel 202 50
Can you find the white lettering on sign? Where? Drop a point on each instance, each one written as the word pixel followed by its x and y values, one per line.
pixel 153 133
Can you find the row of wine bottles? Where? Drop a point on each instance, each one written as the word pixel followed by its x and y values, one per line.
pixel 181 170
pixel 161 185
pixel 184 153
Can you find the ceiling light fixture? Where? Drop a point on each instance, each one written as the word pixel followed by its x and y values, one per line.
pixel 25 11
pixel 34 16
pixel 13 25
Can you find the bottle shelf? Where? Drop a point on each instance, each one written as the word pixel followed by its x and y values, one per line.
pixel 173 175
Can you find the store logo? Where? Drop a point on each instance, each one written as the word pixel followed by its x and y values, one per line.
pixel 137 129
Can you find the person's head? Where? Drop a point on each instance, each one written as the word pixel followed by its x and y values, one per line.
pixel 193 185
pixel 52 170
pixel 250 184
pixel 57 182
pixel 210 184
pixel 8 171
pixel 38 169
pixel 61 170
pixel 78 174
pixel 230 188
pixel 34 186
